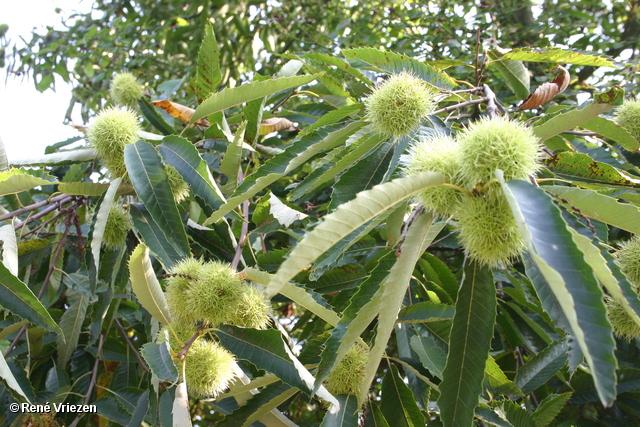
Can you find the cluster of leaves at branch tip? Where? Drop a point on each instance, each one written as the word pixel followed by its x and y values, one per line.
pixel 209 367
pixel 112 129
pixel 487 227
pixel 125 90
pixel 347 376
pixel 46 420
pixel 629 260
pixel 117 227
pixel 628 116
pixel 399 104
pixel 213 293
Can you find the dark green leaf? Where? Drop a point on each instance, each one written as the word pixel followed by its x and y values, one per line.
pixel 469 346
pixel 398 403
pixel 425 311
pixel 542 367
pixel 150 180
pixel 153 236
pixel 346 416
pixel 160 361
pixel 16 297
pixel 71 325
pixel 549 408
pixel 151 113
pixel 208 76
pixel 182 155
pixel 431 354
pixel 571 279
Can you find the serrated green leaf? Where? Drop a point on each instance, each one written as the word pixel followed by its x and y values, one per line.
pixel 139 413
pixel 469 346
pixel 570 119
pixel 16 297
pixel 231 161
pixel 517 415
pixel 329 60
pixel 334 116
pixel 18 180
pixel 431 355
pixel 151 113
pixel 363 175
pixel 487 415
pixel 345 160
pixel 182 155
pixel 153 236
pixel 419 235
pixel 611 130
pixel 347 218
pixel 71 325
pixel 9 379
pixel 150 180
pixel 362 309
pixel 398 403
pixel 570 277
pixel 497 380
pixel 146 286
pixel 261 404
pixel 559 56
pixel 601 207
pixel 549 408
pixel 58 159
pixel 345 416
pixel 541 367
pixel 101 221
pixel 376 419
pixel 426 311
pixel 581 166
pixel 208 76
pixel 89 189
pixel 265 349
pixel 160 361
pixel 231 97
pixel 395 63
pixel 293 157
pixel 515 74
pixel 9 247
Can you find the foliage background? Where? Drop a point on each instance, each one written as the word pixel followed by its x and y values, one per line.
pixel 532 378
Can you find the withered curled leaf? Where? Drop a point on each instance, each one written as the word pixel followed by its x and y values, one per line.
pixel 547 91
pixel 179 111
pixel 275 124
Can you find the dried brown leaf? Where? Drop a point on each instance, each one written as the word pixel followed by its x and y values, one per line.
pixel 275 124
pixel 179 111
pixel 547 91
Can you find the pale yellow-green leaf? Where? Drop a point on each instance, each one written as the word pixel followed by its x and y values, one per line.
pixel 349 216
pixel 420 234
pixel 146 286
pixel 8 377
pixel 58 159
pixel 295 294
pixel 17 180
pixel 180 411
pixel 101 220
pixel 9 248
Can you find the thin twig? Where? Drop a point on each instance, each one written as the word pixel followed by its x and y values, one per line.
pixel 32 207
pixel 472 90
pixel 461 105
pixel 135 351
pixel 475 59
pixel 182 353
pixel 92 384
pixel 43 212
pixel 44 224
pixel 15 341
pixel 244 229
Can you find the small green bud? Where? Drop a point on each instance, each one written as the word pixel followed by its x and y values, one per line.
pixel 117 227
pixel 125 90
pixel 497 143
pixel 347 376
pixel 179 187
pixel 399 104
pixel 487 228
pixel 629 260
pixel 209 368
pixel 440 154
pixel 628 116
pixel 109 133
pixel 623 324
